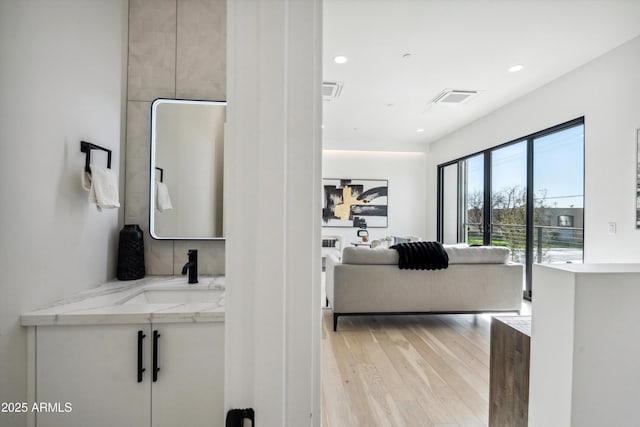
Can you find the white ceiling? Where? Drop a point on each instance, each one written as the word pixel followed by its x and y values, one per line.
pixel 454 44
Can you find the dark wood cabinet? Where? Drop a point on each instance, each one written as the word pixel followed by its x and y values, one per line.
pixel 509 371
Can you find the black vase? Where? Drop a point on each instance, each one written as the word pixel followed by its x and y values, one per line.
pixel 131 253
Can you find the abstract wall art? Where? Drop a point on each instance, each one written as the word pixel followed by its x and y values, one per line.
pixel 360 203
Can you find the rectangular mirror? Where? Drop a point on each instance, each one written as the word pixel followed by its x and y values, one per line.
pixel 187 169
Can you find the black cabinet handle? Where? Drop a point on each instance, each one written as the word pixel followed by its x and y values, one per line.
pixel 156 335
pixel 141 369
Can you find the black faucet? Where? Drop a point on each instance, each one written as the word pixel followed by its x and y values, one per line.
pixel 192 266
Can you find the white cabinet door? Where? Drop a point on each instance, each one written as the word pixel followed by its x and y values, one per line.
pixel 190 383
pixel 94 368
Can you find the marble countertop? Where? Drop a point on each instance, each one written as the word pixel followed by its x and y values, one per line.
pixel 104 304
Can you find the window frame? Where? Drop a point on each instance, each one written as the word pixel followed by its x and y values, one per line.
pixel 487 219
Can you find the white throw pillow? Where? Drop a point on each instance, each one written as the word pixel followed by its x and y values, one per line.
pixel 381 243
pixel 363 255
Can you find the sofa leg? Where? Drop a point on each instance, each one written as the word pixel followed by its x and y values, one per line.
pixel 335 322
pixel 326 301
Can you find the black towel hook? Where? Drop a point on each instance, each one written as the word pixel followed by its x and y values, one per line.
pixel 161 174
pixel 86 148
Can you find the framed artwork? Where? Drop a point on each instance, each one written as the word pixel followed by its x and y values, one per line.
pixel 360 203
pixel 638 178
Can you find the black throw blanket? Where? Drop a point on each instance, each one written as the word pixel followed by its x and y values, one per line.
pixel 421 256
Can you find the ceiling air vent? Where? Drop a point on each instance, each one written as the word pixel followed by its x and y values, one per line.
pixel 331 90
pixel 453 97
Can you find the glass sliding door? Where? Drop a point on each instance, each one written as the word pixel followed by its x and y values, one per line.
pixel 558 175
pixel 473 199
pixel 527 195
pixel 509 198
pixel 449 203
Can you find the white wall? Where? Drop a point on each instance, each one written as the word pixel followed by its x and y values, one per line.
pixel 407 190
pixel 604 91
pixel 61 82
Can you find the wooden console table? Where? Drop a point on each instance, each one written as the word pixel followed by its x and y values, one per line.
pixel 509 371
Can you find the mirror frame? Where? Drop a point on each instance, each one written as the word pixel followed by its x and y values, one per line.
pixel 152 169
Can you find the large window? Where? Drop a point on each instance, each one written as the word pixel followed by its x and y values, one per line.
pixel 558 181
pixel 527 195
pixel 509 198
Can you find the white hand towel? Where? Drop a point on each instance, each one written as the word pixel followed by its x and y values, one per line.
pixel 86 180
pixel 103 187
pixel 163 201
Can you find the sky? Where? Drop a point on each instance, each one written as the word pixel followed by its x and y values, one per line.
pixel 558 167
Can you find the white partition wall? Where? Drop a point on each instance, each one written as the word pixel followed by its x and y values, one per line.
pixel 585 346
pixel 272 210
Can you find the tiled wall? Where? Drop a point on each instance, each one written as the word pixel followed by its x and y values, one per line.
pixel 177 49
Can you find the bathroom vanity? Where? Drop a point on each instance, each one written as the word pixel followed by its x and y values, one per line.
pixel 143 353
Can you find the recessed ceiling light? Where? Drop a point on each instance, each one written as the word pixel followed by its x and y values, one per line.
pixel 340 59
pixel 516 68
pixel 420 130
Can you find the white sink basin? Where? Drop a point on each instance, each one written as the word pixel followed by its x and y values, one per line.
pixel 182 296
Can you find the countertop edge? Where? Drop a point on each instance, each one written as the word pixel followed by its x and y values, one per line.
pixel 100 306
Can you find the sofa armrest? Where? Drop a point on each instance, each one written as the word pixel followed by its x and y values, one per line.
pixel 331 263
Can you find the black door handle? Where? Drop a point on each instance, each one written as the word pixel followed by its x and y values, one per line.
pixel 239 417
pixel 141 369
pixel 156 336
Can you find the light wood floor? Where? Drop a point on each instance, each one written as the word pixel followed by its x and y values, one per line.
pixel 421 371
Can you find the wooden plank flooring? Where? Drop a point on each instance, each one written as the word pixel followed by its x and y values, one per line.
pixel 405 371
